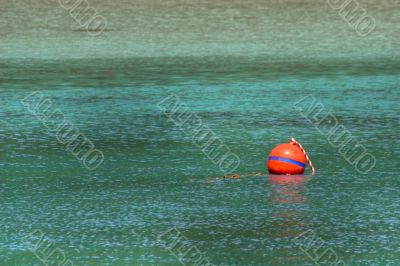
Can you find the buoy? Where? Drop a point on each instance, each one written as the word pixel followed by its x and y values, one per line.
pixel 288 159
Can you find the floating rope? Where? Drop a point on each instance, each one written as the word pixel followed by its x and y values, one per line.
pixel 296 143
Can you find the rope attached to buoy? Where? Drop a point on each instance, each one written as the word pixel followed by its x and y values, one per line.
pixel 295 142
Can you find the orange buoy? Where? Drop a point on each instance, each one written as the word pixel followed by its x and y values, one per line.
pixel 287 159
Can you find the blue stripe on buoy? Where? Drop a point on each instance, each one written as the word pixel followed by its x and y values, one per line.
pixel 277 158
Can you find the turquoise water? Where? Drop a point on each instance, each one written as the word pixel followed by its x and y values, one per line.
pixel 154 178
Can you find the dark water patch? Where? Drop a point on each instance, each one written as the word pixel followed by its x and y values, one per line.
pixel 180 70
